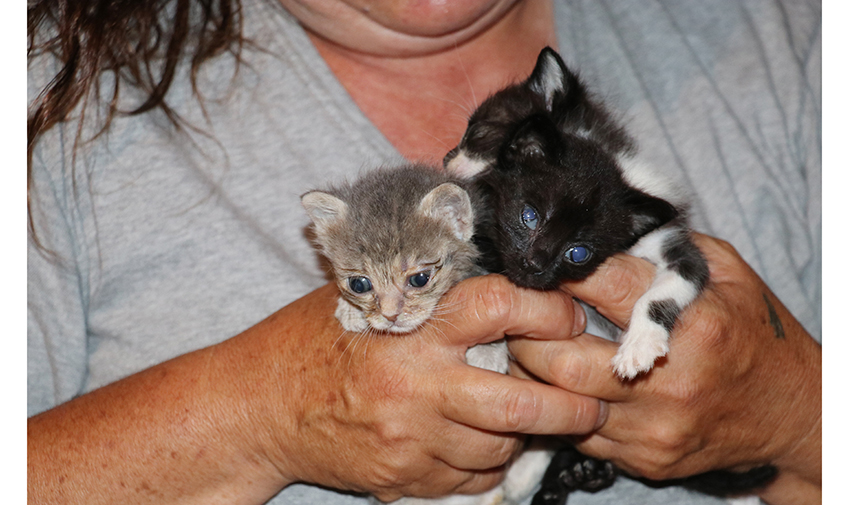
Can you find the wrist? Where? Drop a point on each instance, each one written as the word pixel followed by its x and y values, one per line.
pixel 799 463
pixel 251 404
pixel 274 374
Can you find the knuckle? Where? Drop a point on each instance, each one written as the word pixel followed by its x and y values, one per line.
pixel 388 480
pixel 492 299
pixel 670 446
pixel 584 416
pixel 505 449
pixel 725 247
pixel 395 474
pixel 710 324
pixel 619 283
pixel 568 371
pixel 481 482
pixel 653 470
pixel 521 411
pixel 392 433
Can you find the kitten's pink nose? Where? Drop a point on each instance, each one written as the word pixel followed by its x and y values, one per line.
pixel 390 317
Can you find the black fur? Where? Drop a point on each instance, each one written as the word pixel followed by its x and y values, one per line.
pixel 686 259
pixel 664 313
pixel 577 190
pixel 568 102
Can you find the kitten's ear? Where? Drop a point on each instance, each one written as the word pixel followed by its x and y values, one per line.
pixel 324 209
pixel 450 204
pixel 550 76
pixel 536 137
pixel 649 212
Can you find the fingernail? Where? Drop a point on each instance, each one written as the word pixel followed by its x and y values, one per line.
pixel 579 321
pixel 602 415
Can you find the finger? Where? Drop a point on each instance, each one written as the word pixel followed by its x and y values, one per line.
pixel 504 404
pixel 614 288
pixel 471 449
pixel 580 365
pixel 491 306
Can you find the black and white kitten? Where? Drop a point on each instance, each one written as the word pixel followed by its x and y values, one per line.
pixel 566 192
pixel 563 205
pixel 397 239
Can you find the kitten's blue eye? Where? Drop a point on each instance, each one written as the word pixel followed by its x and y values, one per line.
pixel 529 217
pixel 419 280
pixel 578 254
pixel 360 284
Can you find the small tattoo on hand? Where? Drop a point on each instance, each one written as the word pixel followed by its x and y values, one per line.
pixel 773 317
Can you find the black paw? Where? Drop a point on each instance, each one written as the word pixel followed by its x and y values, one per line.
pixel 569 471
pixel 590 475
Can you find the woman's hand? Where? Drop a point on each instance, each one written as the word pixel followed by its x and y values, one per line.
pixel 403 414
pixel 295 398
pixel 740 387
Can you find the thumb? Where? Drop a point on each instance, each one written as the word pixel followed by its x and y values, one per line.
pixel 490 307
pixel 614 288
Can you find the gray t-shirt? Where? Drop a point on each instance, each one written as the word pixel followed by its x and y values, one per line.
pixel 165 242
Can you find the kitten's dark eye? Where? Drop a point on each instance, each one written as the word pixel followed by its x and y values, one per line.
pixel 419 280
pixel 529 217
pixel 360 284
pixel 578 254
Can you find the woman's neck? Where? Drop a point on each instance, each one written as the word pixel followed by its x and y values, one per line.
pixel 422 103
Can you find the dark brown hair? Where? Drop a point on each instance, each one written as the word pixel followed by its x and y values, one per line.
pixel 138 42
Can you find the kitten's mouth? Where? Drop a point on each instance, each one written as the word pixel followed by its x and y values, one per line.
pixel 534 280
pixel 396 326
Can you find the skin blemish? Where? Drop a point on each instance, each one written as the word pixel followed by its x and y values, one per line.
pixel 773 318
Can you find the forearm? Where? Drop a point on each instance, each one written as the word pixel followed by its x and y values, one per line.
pixel 169 434
pixel 296 399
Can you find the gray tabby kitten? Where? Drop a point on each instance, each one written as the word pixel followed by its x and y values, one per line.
pixel 397 240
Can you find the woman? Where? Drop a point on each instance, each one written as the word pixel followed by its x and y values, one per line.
pixel 173 295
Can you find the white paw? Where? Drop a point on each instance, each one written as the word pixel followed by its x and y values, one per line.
pixel 350 316
pixel 640 348
pixel 492 356
pixel 525 474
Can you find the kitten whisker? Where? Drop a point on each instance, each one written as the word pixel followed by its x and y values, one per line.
pixel 439 320
pixel 437 332
pixel 448 307
pixel 352 342
pixel 364 336
pixel 437 139
pixel 468 81
pixel 337 340
pixel 467 112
